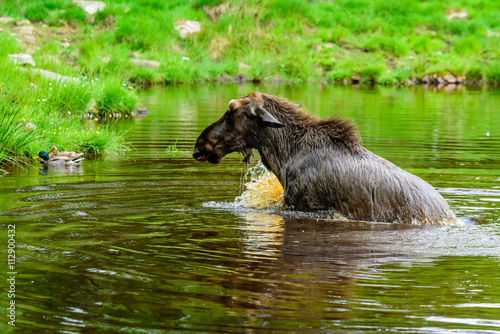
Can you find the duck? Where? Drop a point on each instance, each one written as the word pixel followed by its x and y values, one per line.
pixel 55 153
pixel 59 159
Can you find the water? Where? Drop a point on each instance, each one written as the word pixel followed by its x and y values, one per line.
pixel 152 242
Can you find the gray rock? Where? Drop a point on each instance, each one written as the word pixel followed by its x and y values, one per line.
pixel 23 23
pixel 51 75
pixel 241 78
pixel 450 78
pixel 90 7
pixel 146 63
pixel 22 59
pixel 6 19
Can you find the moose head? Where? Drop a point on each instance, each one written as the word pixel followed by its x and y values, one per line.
pixel 236 131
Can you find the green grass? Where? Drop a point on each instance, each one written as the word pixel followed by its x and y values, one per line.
pixel 381 41
pixel 36 113
pixel 298 40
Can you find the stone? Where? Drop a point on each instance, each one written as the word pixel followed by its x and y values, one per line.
pixel 6 19
pixel 213 13
pixel 241 78
pixel 140 109
pixel 441 80
pixel 492 33
pixel 51 75
pixel 92 107
pixel 65 44
pixel 450 78
pixel 275 79
pixel 187 28
pixel 409 82
pixel 29 39
pixel 355 78
pixel 22 59
pixel 145 63
pixel 426 79
pixel 23 23
pixel 456 14
pixel 90 7
pixel 134 54
pixel 25 30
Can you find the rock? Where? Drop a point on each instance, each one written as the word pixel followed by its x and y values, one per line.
pixel 461 79
pixel 450 78
pixel 243 67
pixel 6 19
pixel 146 63
pixel 275 79
pixel 426 79
pixel 23 23
pixel 106 59
pixel 441 80
pixel 65 44
pixel 29 39
pixel 355 78
pixel 456 14
pixel 409 82
pixel 92 107
pixel 51 75
pixel 241 78
pixel 213 13
pixel 25 30
pixel 134 54
pixel 140 109
pixel 187 28
pixel 22 59
pixel 90 7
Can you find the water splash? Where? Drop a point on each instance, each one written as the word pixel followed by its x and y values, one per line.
pixel 263 190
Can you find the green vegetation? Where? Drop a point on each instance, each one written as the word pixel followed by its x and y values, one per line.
pixel 172 150
pixel 370 41
pixel 37 112
pixel 296 40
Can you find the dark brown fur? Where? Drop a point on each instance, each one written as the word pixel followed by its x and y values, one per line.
pixel 320 163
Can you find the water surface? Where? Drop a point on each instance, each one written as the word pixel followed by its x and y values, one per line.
pixel 152 242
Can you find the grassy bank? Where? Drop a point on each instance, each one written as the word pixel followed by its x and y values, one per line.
pixel 375 41
pixel 37 112
pixel 282 40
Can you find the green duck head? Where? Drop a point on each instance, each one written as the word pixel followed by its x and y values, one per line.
pixel 44 155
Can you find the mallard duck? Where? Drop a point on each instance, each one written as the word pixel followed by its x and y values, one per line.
pixel 55 153
pixel 69 159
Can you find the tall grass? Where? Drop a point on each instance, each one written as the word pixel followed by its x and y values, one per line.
pixel 36 112
pixel 298 40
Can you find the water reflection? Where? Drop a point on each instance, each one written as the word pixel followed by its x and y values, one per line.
pixel 151 243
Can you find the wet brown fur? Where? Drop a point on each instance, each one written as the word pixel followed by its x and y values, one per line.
pixel 320 162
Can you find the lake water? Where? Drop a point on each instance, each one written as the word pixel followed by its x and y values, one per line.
pixel 152 242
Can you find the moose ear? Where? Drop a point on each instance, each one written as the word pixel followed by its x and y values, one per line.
pixel 267 118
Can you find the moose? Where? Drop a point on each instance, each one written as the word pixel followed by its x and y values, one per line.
pixel 320 163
